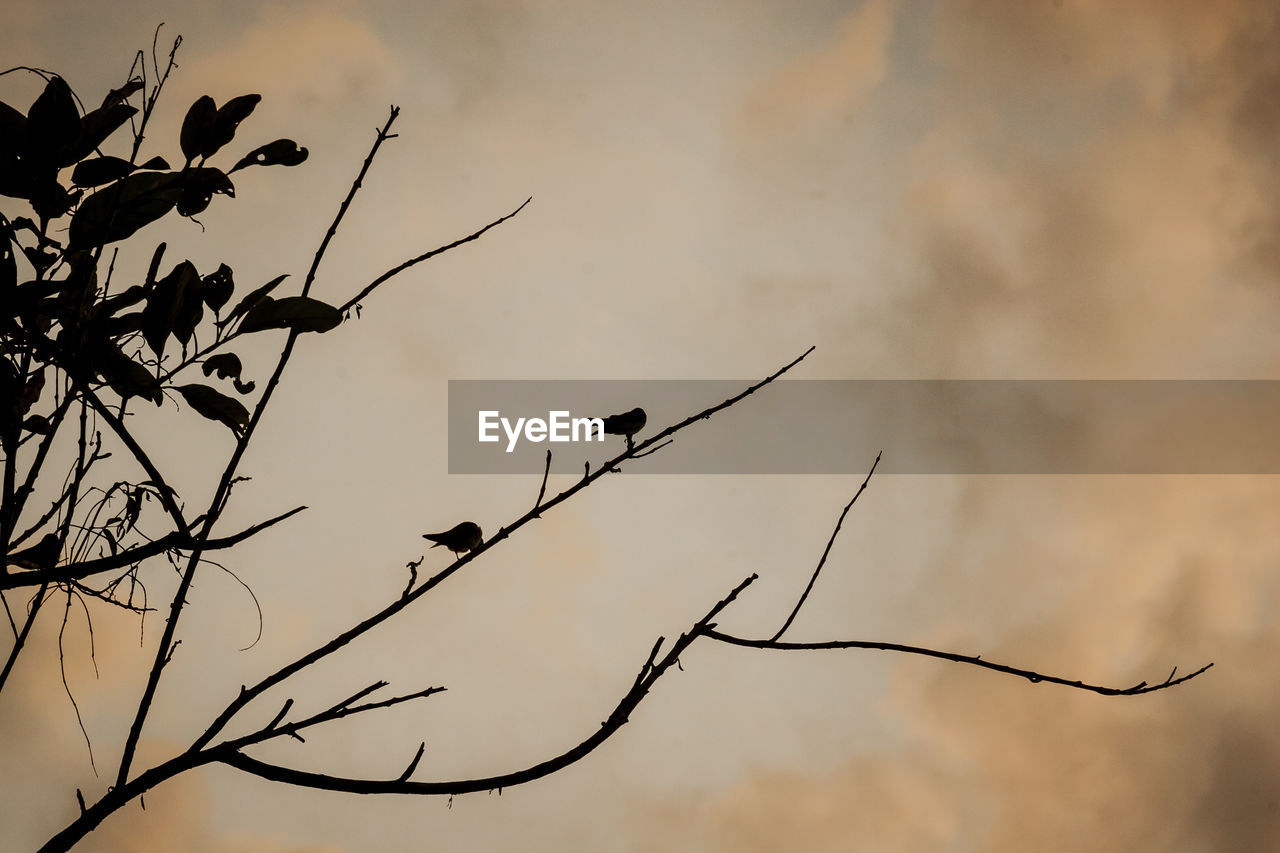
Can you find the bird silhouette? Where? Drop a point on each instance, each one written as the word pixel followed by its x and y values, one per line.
pixel 626 424
pixel 42 555
pixel 466 536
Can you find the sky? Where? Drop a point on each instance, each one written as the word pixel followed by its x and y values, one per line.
pixel 1067 189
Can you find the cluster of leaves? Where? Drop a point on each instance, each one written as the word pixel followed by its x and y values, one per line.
pixel 63 317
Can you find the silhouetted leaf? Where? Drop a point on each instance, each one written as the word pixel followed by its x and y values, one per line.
pixel 115 96
pixel 129 296
pixel 218 287
pixel 51 199
pixel 28 295
pixel 299 313
pixel 38 424
pixel 229 117
pixel 196 126
pixel 244 305
pixel 53 122
pixel 282 152
pixel 38 258
pixel 125 324
pixel 198 187
pixel 173 307
pixel 207 128
pixel 95 127
pixel 227 365
pixel 119 210
pixel 224 364
pixel 15 181
pixel 216 406
pixel 133 508
pixel 126 377
pixel 13 128
pixel 156 162
pixel 100 170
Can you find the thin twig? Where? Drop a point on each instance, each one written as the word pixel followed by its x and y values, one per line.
pixel 972 660
pixel 542 490
pixel 822 561
pixel 20 641
pixel 399 268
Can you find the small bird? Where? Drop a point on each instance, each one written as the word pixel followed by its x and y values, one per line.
pixel 42 555
pixel 467 536
pixel 626 424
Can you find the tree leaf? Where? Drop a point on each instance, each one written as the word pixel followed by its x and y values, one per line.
pixel 173 307
pixel 53 123
pixel 198 187
pixel 115 96
pixel 119 210
pixel 299 313
pixel 229 117
pixel 218 287
pixel 13 129
pixel 207 128
pixel 244 305
pixel 216 406
pixel 196 126
pixel 38 424
pixel 15 181
pixel 227 365
pixel 100 170
pixel 51 199
pixel 224 364
pixel 282 152
pixel 95 127
pixel 125 376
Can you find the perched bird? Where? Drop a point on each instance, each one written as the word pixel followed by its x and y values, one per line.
pixel 42 555
pixel 627 423
pixel 467 536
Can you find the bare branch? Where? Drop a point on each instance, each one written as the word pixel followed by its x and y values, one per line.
pixel 20 641
pixel 230 754
pixel 972 660
pixel 542 490
pixel 396 270
pixel 822 560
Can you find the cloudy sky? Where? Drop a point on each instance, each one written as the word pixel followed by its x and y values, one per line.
pixel 1068 189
